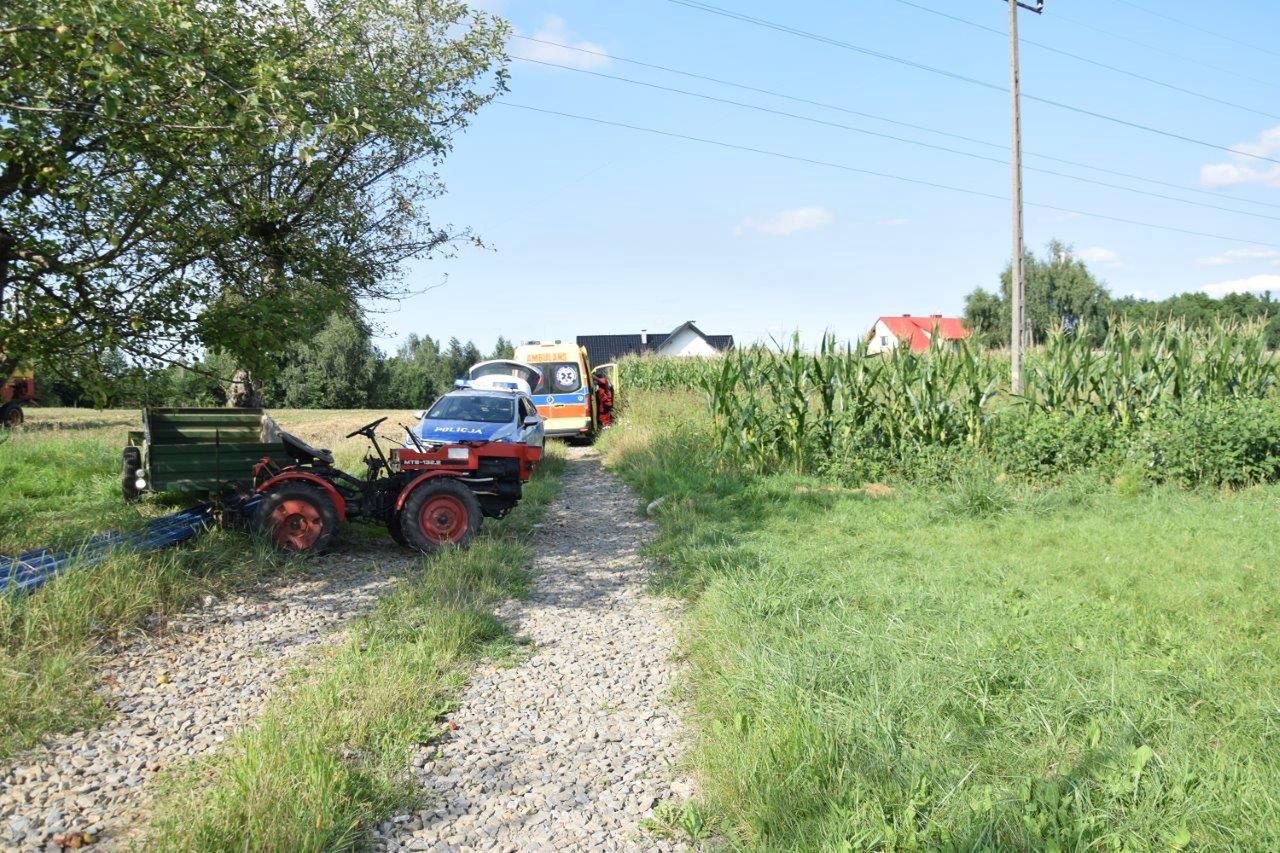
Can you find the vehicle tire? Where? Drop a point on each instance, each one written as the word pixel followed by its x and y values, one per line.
pixel 393 527
pixel 129 469
pixel 440 512
pixel 11 416
pixel 296 518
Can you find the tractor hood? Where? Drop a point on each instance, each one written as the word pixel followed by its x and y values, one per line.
pixel 455 431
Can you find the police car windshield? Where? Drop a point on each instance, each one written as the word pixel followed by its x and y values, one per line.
pixel 466 407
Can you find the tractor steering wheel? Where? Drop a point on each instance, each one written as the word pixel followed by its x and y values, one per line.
pixel 368 428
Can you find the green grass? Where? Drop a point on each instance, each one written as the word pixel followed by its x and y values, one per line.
pixel 976 665
pixel 327 759
pixel 59 482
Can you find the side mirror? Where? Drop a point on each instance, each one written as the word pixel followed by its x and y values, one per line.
pixel 532 420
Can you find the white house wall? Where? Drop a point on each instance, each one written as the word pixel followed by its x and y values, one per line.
pixel 687 344
pixel 882 340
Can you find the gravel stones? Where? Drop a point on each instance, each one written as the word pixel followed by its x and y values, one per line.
pixel 180 694
pixel 573 747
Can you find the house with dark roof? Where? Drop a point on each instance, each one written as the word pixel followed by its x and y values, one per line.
pixel 685 341
pixel 914 332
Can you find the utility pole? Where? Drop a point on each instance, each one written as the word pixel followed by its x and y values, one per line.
pixel 1017 335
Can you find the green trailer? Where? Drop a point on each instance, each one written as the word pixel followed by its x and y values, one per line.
pixel 206 451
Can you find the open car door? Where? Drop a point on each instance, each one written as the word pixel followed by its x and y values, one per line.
pixel 505 374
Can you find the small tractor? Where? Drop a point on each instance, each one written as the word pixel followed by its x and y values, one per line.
pixel 427 494
pixel 17 389
pixel 432 491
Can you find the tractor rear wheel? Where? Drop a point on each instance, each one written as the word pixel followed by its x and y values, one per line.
pixel 11 416
pixel 438 513
pixel 296 519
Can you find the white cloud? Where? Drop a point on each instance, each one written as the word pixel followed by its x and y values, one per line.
pixel 1238 256
pixel 565 51
pixel 1247 170
pixel 788 222
pixel 1252 284
pixel 1097 255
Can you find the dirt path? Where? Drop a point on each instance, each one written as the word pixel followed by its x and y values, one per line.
pixel 180 695
pixel 571 748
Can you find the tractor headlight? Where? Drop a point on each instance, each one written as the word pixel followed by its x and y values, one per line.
pixel 460 454
pixel 393 460
pixel 140 484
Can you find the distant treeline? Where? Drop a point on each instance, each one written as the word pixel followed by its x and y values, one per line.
pixel 1062 293
pixel 339 369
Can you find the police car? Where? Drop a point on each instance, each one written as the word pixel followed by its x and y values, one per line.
pixel 493 404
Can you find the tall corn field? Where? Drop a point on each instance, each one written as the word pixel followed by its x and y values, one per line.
pixel 789 408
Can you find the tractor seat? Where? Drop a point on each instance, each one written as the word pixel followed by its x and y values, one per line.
pixel 302 452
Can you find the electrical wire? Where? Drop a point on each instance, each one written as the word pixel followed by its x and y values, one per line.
pixel 873 173
pixel 923 128
pixel 716 10
pixel 1197 27
pixel 1135 75
pixel 1059 17
pixel 889 136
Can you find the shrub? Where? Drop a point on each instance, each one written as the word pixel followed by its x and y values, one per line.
pixel 1223 443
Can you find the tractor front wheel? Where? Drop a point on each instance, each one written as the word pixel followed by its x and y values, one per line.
pixel 440 512
pixel 296 519
pixel 11 416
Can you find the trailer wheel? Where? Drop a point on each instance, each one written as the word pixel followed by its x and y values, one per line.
pixel 11 416
pixel 440 512
pixel 296 518
pixel 129 470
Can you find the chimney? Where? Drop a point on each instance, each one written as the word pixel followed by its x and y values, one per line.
pixel 644 337
pixel 939 316
pixel 906 315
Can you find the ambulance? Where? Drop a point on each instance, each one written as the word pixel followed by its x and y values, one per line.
pixel 563 394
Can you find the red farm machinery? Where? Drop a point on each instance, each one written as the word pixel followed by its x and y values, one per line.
pixel 427 494
pixel 17 389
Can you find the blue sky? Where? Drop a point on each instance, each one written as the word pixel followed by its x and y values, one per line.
pixel 596 229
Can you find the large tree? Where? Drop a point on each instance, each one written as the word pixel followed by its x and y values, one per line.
pixel 178 173
pixel 1061 293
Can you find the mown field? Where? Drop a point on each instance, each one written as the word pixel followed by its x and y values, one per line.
pixel 963 658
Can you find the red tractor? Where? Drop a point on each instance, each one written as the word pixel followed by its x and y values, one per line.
pixel 17 389
pixel 427 494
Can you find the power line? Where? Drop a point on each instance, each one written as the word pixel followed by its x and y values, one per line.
pixel 887 175
pixel 716 10
pixel 1197 27
pixel 838 108
pixel 1057 16
pixel 1135 75
pixel 889 136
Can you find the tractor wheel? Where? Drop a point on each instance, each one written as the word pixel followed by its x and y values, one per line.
pixel 397 535
pixel 296 518
pixel 132 465
pixel 11 416
pixel 440 512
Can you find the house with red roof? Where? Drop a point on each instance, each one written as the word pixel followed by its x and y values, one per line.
pixel 916 332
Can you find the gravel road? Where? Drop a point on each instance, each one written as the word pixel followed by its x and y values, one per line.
pixel 180 694
pixel 571 748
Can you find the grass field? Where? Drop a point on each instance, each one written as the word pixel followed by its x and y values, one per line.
pixel 977 665
pixel 60 482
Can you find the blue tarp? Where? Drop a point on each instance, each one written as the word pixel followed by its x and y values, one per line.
pixel 29 571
